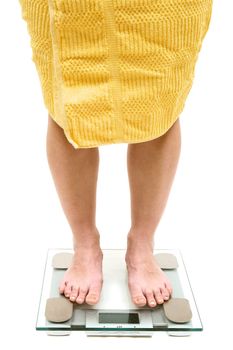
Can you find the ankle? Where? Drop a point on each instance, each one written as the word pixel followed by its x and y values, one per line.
pixel 138 240
pixel 86 239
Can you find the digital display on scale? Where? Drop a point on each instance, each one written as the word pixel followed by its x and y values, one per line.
pixel 118 317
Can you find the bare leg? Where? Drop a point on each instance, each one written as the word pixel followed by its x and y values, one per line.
pixel 75 173
pixel 151 170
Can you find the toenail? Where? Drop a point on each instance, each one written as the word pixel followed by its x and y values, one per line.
pixel 152 302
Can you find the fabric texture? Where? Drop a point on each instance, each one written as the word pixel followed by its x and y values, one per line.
pixel 115 71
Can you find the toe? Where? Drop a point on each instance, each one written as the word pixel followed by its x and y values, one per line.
pixel 137 296
pixel 74 293
pixel 158 297
pixel 62 287
pixel 67 291
pixel 169 288
pixel 150 298
pixel 93 295
pixel 81 295
pixel 92 298
pixel 165 293
pixel 139 300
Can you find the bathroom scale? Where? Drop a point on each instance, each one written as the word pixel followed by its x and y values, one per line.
pixel 115 314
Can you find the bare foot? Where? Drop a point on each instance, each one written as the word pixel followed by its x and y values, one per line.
pixel 147 282
pixel 82 282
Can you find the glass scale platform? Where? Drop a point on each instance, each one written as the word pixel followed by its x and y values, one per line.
pixel 115 314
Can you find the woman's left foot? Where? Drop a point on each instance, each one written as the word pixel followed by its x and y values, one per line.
pixel 147 283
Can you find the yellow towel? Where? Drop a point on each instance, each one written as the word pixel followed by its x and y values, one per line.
pixel 115 71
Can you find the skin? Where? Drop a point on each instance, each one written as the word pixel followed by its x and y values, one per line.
pixel 151 169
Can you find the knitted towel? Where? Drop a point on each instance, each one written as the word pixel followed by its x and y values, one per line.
pixel 115 71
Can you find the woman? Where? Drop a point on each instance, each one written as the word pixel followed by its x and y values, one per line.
pixel 115 71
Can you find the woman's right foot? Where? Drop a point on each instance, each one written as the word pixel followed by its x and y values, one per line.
pixel 83 280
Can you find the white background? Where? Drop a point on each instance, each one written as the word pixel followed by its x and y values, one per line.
pixel 197 219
